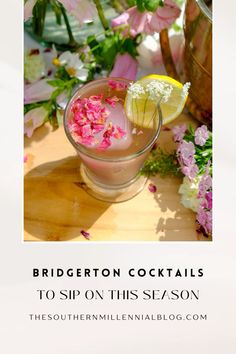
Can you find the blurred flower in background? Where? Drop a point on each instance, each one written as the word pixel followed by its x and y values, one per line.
pixel 34 119
pixel 83 10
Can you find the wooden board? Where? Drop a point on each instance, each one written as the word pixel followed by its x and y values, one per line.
pixel 57 208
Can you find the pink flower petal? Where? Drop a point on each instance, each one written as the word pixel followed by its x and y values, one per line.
pixel 112 101
pixel 148 22
pixel 25 158
pixel 105 144
pixel 152 188
pixel 164 17
pixel 137 20
pixel 83 10
pixel 165 129
pixel 96 98
pixel 120 133
pixel 86 234
pixel 120 20
pixel 125 66
pixel 38 91
pixel 117 85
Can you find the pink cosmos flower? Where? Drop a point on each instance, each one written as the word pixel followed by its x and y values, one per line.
pixel 34 119
pixel 125 66
pixel 38 91
pixel 83 10
pixel 179 132
pixel 201 135
pixel 28 9
pixel 148 22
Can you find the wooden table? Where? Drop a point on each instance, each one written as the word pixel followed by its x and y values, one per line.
pixel 57 208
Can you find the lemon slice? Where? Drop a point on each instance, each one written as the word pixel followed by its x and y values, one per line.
pixel 144 96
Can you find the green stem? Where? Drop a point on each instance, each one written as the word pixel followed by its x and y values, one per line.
pixel 39 13
pixel 72 41
pixel 101 15
pixel 144 109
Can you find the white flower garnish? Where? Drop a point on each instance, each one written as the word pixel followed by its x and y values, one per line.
pixel 185 89
pixel 189 191
pixel 157 89
pixel 136 90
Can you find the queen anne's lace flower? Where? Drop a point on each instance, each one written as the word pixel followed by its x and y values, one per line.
pixel 159 89
pixel 185 89
pixel 136 90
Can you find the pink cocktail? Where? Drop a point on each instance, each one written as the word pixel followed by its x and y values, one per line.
pixel 112 148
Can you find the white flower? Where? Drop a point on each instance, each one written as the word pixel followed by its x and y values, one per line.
pixel 136 90
pixel 189 190
pixel 185 89
pixel 34 65
pixel 159 89
pixel 74 66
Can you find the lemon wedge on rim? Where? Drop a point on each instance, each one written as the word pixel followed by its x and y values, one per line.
pixel 145 95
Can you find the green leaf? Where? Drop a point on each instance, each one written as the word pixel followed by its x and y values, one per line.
pixel 176 27
pixel 109 49
pixel 130 47
pixel 62 74
pixel 28 107
pixel 162 163
pixel 140 5
pixel 56 93
pixel 56 83
pixel 151 5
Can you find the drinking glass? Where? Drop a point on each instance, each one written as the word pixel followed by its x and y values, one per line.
pixel 114 175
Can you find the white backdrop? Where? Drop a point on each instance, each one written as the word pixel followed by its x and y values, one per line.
pixel 17 288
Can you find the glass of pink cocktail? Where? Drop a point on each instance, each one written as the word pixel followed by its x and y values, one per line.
pixel 112 148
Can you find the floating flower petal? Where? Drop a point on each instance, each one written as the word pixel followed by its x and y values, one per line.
pixel 152 188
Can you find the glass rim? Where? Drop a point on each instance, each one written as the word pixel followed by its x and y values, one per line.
pixel 205 9
pixel 85 151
